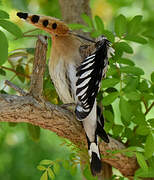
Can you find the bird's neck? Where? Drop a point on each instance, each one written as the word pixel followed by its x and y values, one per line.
pixel 65 47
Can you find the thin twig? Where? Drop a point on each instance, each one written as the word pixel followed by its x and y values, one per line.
pixel 13 86
pixel 144 102
pixel 148 109
pixel 17 73
pixel 30 36
pixel 32 30
pixel 36 36
pixel 11 79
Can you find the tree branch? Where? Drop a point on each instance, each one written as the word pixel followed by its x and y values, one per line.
pixel 72 11
pixel 36 86
pixel 61 121
pixel 28 108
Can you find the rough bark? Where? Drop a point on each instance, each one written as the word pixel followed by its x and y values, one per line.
pixel 36 86
pixel 63 123
pixel 72 11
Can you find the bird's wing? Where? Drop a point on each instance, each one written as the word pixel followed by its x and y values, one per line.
pixel 90 74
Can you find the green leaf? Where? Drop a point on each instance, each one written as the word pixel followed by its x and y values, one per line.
pixel 30 50
pixel 110 90
pixel 3 92
pixel 99 24
pixel 107 100
pixel 46 162
pixel 135 148
pixel 142 130
pixel 131 83
pixel 137 39
pixel 147 97
pixel 108 115
pixel 20 69
pixel 110 36
pixel 120 25
pixel 145 174
pixel 125 109
pixel 128 133
pixel 73 170
pixel 149 145
pixel 152 76
pixel 134 26
pixel 125 61
pixel 3 48
pixel 12 124
pixel 112 71
pixel 34 132
pixel 123 47
pixel 108 126
pixel 141 161
pixel 152 88
pixel 66 164
pixel 138 118
pixel 143 86
pixel 2 72
pixel 133 95
pixel 95 34
pixel 110 82
pixel 4 15
pixel 87 20
pixel 80 26
pixel 149 33
pixel 41 168
pixel 51 174
pixel 117 129
pixel 56 168
pixel 151 121
pixel 11 27
pixel 76 26
pixel 132 70
pixel 44 176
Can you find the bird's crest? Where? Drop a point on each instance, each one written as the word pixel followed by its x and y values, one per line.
pixel 51 25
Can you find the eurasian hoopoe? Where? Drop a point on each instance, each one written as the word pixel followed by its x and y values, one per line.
pixel 76 69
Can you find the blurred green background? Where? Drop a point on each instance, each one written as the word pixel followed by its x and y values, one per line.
pixel 19 153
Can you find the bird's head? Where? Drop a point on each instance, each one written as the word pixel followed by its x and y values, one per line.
pixel 51 25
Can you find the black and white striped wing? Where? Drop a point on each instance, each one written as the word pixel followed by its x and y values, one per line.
pixel 89 75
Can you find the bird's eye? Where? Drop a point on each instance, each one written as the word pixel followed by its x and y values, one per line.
pixel 54 26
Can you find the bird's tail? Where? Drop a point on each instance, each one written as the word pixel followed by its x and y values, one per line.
pixel 100 126
pixel 95 159
pixel 93 149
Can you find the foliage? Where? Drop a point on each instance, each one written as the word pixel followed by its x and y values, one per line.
pixel 125 85
pixel 10 27
pixel 125 88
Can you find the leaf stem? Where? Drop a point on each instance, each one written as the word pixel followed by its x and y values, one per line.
pixel 145 104
pixel 148 109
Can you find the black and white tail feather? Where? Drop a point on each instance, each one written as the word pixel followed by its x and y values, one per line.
pixel 90 73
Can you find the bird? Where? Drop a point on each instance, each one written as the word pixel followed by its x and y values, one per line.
pixel 76 66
